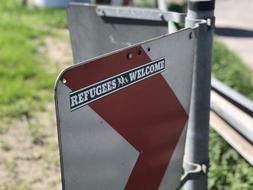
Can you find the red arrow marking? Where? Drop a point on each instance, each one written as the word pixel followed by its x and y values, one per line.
pixel 148 115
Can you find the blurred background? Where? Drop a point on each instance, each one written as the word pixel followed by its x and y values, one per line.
pixel 35 47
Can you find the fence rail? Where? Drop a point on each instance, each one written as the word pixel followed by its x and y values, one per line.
pixel 231 118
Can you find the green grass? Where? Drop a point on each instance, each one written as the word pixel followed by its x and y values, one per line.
pixel 25 74
pixel 144 3
pixel 27 78
pixel 228 68
pixel 229 171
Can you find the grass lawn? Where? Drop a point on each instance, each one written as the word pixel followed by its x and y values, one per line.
pixel 25 74
pixel 229 171
pixel 27 78
pixel 29 157
pixel 228 68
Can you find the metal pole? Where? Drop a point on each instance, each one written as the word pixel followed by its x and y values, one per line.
pixel 196 152
pixel 162 5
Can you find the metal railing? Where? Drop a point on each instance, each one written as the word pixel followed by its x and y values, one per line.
pixel 231 117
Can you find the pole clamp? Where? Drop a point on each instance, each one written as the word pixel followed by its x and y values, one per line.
pixel 209 22
pixel 193 171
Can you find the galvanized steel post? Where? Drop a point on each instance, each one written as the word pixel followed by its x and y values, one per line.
pixel 196 152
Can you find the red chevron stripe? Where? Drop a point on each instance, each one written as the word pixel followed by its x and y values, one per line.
pixel 147 114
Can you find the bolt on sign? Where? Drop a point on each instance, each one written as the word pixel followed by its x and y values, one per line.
pixel 122 117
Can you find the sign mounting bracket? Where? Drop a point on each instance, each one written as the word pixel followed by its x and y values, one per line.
pixel 193 171
pixel 140 14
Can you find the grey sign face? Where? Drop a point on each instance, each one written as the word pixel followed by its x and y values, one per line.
pixel 93 35
pixel 107 140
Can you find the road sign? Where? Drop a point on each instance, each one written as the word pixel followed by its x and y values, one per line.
pixel 122 117
pixel 116 27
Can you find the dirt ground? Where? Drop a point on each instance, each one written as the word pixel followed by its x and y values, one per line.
pixel 29 149
pixel 29 156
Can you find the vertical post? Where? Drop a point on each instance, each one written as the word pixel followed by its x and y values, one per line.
pixel 196 152
pixel 161 4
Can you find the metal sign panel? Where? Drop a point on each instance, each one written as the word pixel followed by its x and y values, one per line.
pixel 92 34
pixel 122 117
